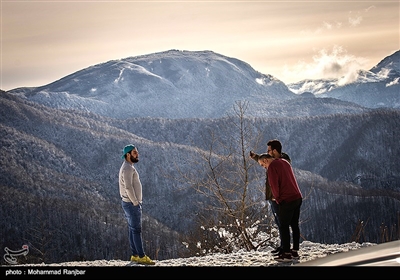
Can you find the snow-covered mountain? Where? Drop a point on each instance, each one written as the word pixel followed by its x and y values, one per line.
pixel 169 84
pixel 389 66
pixel 378 87
pixel 177 84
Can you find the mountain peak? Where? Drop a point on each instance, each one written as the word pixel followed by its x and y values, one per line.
pixel 389 66
pixel 171 84
pixel 204 84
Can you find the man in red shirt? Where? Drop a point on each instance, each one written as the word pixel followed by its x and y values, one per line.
pixel 275 150
pixel 287 194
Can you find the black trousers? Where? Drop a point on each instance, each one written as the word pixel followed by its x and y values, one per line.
pixel 289 215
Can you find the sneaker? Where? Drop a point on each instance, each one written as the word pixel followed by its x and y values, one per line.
pixel 134 258
pixel 276 251
pixel 284 257
pixel 145 260
pixel 294 254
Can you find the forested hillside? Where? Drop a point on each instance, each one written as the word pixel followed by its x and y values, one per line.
pixel 59 171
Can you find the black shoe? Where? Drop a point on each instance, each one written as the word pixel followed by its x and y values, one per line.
pixel 295 254
pixel 277 251
pixel 284 257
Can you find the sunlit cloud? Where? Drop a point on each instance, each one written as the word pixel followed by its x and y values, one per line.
pixel 355 19
pixel 326 26
pixel 336 64
pixel 369 8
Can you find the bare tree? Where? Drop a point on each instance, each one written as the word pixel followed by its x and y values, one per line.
pixel 225 177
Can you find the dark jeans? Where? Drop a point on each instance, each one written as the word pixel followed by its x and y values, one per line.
pixel 133 215
pixel 289 215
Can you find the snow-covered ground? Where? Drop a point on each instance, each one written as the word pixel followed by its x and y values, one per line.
pixel 238 265
pixel 308 251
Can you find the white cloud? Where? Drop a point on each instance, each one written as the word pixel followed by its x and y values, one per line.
pixel 336 64
pixel 355 20
pixel 369 8
pixel 326 26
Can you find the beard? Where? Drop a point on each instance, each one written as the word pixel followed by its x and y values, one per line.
pixel 134 159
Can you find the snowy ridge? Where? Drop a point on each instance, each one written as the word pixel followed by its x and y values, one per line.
pixel 171 84
pixel 186 84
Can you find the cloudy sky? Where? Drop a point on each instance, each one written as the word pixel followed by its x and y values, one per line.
pixel 43 41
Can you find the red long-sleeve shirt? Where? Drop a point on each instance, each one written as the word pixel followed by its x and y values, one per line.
pixel 282 181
